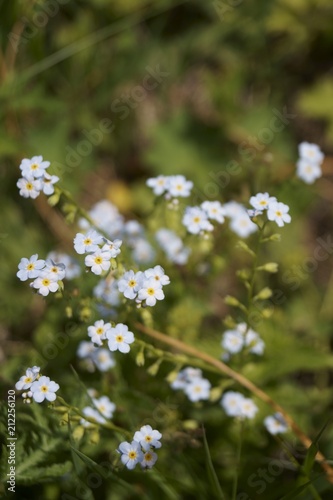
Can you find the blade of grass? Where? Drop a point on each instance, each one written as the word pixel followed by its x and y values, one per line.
pixel 210 469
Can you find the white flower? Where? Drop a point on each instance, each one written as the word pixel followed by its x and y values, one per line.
pixel 172 246
pixel 85 349
pixel 261 201
pixel 119 338
pixel 143 252
pixel 278 212
pixel 310 153
pixel 233 209
pixel 195 220
pixel 47 183
pixel 214 210
pixel 308 171
pixel 103 359
pixel 44 388
pixel 104 406
pixel 131 454
pixel 34 167
pixel 130 284
pixel 98 331
pixel 254 213
pixel 232 341
pixel 151 291
pixel 275 424
pixel 256 344
pixel 247 408
pixel 106 217
pixel 98 261
pixel 107 291
pixel 148 437
pixel 242 225
pixel 29 187
pixel 26 380
pixel 30 268
pixel 93 414
pixel 73 270
pixel 179 186
pixel 198 389
pixel 44 284
pixel 231 402
pixel 113 247
pixel 133 229
pixel 54 271
pixel 87 243
pixel 158 184
pixel 158 274
pixel 185 376
pixel 149 459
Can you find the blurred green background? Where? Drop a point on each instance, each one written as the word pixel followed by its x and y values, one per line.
pixel 114 92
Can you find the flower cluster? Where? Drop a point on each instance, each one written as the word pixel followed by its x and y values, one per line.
pixel 141 449
pixel 172 246
pixel 106 218
pixel 309 163
pixel 146 287
pixel 118 337
pixel 172 186
pixel 240 222
pixel 103 409
pixel 99 249
pixel 95 357
pixel 276 211
pixel 35 178
pixel 197 219
pixel 276 424
pixel 237 405
pixel 39 387
pixel 234 341
pixel 195 387
pixel 46 274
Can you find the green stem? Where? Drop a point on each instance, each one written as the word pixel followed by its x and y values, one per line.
pixel 238 461
pixel 106 425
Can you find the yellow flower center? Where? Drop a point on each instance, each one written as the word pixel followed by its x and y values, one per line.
pixel 34 166
pixel 196 219
pixel 44 388
pixel 148 439
pixel 132 455
pixel 29 186
pixel 30 267
pixel 278 213
pixel 150 291
pixel 98 260
pixel 99 331
pixel 87 241
pixel 119 338
pixel 27 380
pixel 46 282
pixel 132 283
